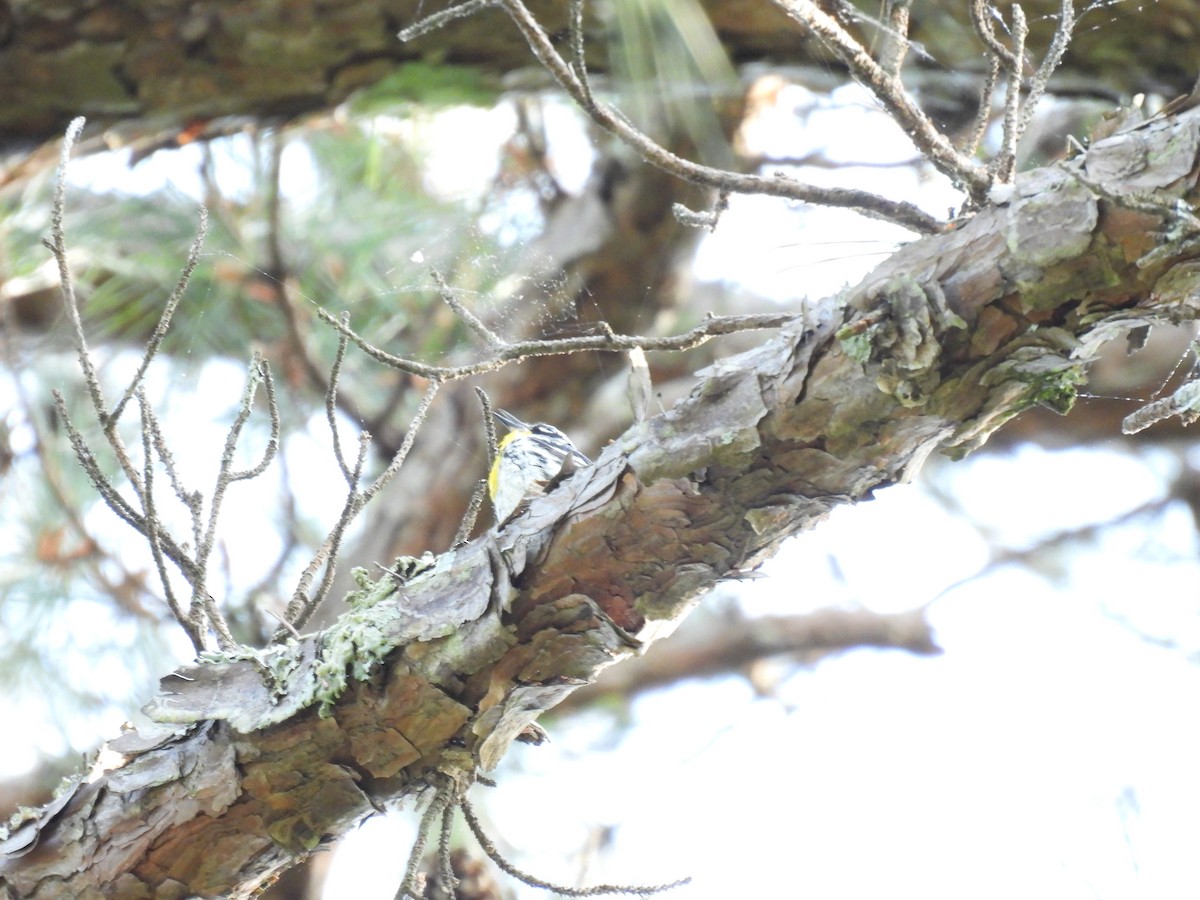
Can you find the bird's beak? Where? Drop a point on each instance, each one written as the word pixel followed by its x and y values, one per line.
pixel 507 419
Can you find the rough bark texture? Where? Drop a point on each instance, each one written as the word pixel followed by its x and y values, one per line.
pixel 434 679
pixel 184 62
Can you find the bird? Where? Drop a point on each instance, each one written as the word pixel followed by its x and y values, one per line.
pixel 530 459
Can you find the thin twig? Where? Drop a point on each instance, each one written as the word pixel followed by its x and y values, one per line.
pixel 331 393
pixel 905 214
pixel 490 338
pixel 414 427
pixel 579 62
pixel 272 447
pixel 226 474
pixel 164 321
pixel 489 425
pixel 58 246
pixel 439 802
pixel 895 38
pixel 984 113
pixel 533 881
pixel 1054 55
pixel 284 623
pixel 87 461
pixel 437 20
pixel 471 515
pixel 225 638
pixel 981 17
pixel 112 497
pixel 301 607
pixel 476 501
pixel 202 601
pixel 936 147
pixel 709 328
pixel 152 521
pixel 1005 163
pixel 1183 402
pixel 192 500
pixel 446 880
pixel 97 561
pixel 706 219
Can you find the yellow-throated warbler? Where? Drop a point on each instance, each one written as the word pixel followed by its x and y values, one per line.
pixel 528 461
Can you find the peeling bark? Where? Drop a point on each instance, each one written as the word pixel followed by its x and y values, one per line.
pixel 955 334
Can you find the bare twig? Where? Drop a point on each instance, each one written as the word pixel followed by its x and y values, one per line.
pixel 437 20
pixel 152 521
pixel 58 246
pixel 1184 402
pixel 895 38
pixel 225 638
pixel 164 321
pixel 1005 164
pixel 984 114
pixel 706 219
pixel 476 501
pixel 709 328
pixel 284 623
pixel 1054 55
pixel 446 880
pixel 1011 61
pixel 906 214
pixel 226 474
pixel 533 881
pixel 579 63
pixel 936 147
pixel 331 400
pixel 440 802
pixel 472 513
pixel 192 500
pixel 87 461
pixel 981 17
pixel 490 338
pixel 108 571
pixel 108 492
pixel 272 447
pixel 112 497
pixel 302 606
pixel 489 425
pixel 270 578
pixel 414 427
pixel 203 606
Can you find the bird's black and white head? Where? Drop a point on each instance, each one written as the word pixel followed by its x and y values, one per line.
pixel 549 436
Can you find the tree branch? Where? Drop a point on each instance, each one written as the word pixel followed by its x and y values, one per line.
pixel 284 749
pixel 935 146
pixel 906 214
